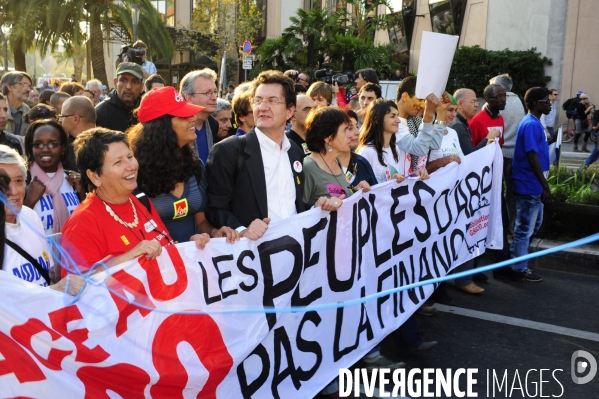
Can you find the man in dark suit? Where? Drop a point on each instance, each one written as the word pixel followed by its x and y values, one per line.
pixel 258 178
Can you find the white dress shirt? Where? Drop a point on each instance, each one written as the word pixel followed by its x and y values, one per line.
pixel 280 186
pixel 549 119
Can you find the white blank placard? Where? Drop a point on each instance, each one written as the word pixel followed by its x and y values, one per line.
pixel 436 56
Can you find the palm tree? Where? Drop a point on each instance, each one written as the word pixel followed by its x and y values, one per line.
pixel 308 33
pixel 75 53
pixel 23 17
pixel 104 16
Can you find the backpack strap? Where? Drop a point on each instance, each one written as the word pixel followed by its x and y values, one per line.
pixel 30 258
pixel 143 198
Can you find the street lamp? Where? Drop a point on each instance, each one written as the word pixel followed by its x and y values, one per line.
pixel 135 17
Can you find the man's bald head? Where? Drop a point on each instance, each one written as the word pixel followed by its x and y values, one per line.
pixel 467 102
pixel 461 93
pixel 82 106
pixel 78 115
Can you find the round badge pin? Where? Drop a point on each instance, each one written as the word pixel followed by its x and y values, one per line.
pixel 297 166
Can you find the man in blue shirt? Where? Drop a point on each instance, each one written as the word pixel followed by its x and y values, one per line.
pixel 199 88
pixel 530 163
pixel 148 66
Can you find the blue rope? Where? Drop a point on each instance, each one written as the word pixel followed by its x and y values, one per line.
pixel 292 309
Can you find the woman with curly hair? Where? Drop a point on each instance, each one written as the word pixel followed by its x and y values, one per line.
pixel 169 172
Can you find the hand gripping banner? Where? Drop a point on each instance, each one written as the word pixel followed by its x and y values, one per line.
pixel 254 319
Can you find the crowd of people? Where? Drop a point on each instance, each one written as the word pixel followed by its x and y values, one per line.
pixel 122 174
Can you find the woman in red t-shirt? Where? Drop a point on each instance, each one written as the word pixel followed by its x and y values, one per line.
pixel 112 225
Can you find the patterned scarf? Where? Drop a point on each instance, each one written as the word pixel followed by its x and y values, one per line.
pixel 413 124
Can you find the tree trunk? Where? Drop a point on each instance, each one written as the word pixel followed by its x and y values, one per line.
pixel 19 56
pixel 4 51
pixel 78 66
pixel 97 49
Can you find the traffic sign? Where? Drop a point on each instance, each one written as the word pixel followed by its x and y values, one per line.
pixel 247 47
pixel 247 63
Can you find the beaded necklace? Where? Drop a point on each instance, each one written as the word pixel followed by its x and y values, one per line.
pixel 118 219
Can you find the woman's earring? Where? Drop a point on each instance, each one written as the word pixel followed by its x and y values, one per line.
pixel 329 148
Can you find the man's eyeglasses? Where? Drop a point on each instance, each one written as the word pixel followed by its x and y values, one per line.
pixel 544 101
pixel 51 145
pixel 208 93
pixel 268 101
pixel 473 102
pixel 60 116
pixel 27 85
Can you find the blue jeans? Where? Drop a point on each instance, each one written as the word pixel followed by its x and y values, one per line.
pixel 593 157
pixel 529 216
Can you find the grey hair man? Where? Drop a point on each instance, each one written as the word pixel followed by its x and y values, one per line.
pixel 242 88
pixel 512 115
pixel 223 116
pixel 16 87
pixel 199 88
pixel 95 86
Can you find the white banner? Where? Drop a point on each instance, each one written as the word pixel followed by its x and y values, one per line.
pixel 162 347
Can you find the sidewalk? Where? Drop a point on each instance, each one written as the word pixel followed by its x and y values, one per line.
pixel 579 260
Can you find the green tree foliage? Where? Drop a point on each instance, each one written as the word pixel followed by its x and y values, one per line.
pixel 228 22
pixel 104 17
pixel 47 23
pixel 473 67
pixel 343 38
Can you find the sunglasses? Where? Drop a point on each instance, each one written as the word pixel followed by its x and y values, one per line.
pixel 544 101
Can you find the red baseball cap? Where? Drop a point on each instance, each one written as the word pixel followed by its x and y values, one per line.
pixel 165 101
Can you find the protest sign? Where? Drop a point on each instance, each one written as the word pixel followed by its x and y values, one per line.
pixel 434 64
pixel 196 323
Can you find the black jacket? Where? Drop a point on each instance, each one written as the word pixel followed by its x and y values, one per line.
pixel 113 114
pixel 12 141
pixel 238 197
pixel 460 125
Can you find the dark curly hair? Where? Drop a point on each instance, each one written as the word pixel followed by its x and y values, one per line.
pixel 372 132
pixel 39 111
pixel 64 157
pixel 162 162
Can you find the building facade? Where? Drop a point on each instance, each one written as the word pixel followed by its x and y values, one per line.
pixel 561 30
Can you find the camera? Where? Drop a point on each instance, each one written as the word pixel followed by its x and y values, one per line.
pixel 329 76
pixel 132 54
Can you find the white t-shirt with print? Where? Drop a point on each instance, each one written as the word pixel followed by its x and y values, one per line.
pixel 28 233
pixel 384 173
pixel 450 145
pixel 45 207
